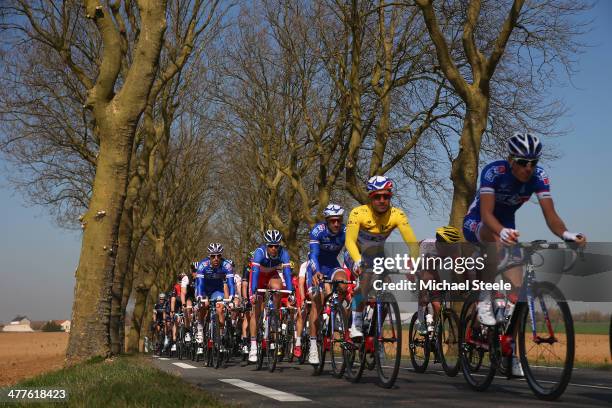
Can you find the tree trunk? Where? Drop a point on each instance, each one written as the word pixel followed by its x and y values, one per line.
pixel 89 335
pixel 124 254
pixel 464 172
pixel 139 319
pixel 125 298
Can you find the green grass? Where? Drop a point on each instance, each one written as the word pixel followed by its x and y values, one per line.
pixel 591 327
pixel 128 381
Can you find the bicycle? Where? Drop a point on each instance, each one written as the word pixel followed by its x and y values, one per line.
pixel 382 336
pixel 442 337
pixel 531 320
pixel 215 346
pixel 287 337
pixel 332 332
pixel 268 330
pixel 305 336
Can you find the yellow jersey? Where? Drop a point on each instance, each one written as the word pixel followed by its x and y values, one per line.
pixel 368 231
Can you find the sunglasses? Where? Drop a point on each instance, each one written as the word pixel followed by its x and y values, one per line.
pixel 384 197
pixel 273 246
pixel 334 220
pixel 215 255
pixel 525 162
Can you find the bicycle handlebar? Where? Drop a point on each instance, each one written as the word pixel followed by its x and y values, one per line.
pixel 274 291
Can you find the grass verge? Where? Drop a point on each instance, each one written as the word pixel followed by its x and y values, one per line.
pixel 127 381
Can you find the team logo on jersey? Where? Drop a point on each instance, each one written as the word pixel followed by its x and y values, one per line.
pixel 501 169
pixel 471 225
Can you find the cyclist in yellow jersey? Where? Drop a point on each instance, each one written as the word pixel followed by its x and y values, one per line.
pixel 367 229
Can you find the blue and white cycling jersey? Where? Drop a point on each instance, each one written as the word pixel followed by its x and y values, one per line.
pixel 263 263
pixel 324 250
pixel 210 280
pixel 510 194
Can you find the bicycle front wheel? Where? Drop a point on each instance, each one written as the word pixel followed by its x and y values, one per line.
pixel 418 347
pixel 478 347
pixel 388 341
pixel 546 342
pixel 448 342
pixel 338 336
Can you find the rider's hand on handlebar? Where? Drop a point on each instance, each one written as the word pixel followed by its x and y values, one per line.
pixel 577 237
pixel 317 278
pixel 357 268
pixel 509 236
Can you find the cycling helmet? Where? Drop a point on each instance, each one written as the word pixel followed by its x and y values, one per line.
pixel 525 145
pixel 215 248
pixel 333 210
pixel 162 295
pixel 194 266
pixel 377 183
pixel 448 234
pixel 273 237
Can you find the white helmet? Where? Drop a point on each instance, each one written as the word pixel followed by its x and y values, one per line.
pixel 333 210
pixel 273 237
pixel 215 248
pixel 525 145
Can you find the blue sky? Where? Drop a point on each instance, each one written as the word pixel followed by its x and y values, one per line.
pixel 38 260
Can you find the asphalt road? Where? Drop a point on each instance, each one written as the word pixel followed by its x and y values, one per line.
pixel 294 385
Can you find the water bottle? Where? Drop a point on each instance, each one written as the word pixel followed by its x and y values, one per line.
pixel 429 320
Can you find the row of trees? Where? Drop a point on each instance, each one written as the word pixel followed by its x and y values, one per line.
pixel 167 124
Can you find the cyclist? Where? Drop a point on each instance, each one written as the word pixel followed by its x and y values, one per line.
pixel 300 295
pixel 188 296
pixel 177 299
pixel 440 247
pixel 367 229
pixel 159 314
pixel 268 259
pixel 504 186
pixel 244 291
pixel 326 241
pixel 212 274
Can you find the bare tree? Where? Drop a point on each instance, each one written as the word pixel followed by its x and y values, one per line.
pixel 523 39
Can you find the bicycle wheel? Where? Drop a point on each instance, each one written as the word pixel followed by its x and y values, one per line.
pixel 322 345
pixel 355 357
pixel 546 342
pixel 272 343
pixel 180 349
pixel 261 347
pixel 388 344
pixel 476 340
pixel 448 342
pixel 338 340
pixel 305 345
pixel 289 338
pixel 418 347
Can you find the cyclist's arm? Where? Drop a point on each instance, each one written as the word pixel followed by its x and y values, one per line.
pixel 554 222
pixel 487 205
pixel 172 303
pixel 255 270
pixel 229 278
pixel 287 270
pixel 314 246
pixel 408 234
pixel 352 231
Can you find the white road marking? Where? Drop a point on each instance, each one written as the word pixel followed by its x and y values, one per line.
pixel 164 358
pixel 183 365
pixel 265 391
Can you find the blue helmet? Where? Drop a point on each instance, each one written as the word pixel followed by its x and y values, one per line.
pixel 525 145
pixel 333 210
pixel 377 183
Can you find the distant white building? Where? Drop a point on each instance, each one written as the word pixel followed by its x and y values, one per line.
pixel 66 326
pixel 18 324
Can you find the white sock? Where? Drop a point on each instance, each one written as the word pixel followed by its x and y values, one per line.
pixel 253 344
pixel 313 343
pixel 298 342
